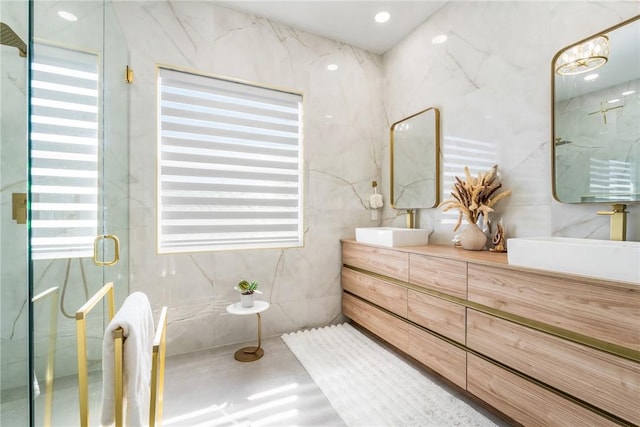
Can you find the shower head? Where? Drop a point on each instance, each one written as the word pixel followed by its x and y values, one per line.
pixel 9 38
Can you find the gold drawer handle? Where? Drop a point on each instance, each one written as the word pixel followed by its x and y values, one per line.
pixel 116 250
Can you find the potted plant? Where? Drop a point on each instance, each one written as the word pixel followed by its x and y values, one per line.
pixel 247 290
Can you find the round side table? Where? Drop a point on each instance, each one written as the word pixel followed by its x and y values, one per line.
pixel 249 354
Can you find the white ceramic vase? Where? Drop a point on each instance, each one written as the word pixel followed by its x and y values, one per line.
pixel 472 238
pixel 246 300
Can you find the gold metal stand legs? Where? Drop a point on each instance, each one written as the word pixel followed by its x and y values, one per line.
pixel 250 354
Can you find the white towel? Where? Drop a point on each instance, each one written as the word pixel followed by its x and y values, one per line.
pixel 136 320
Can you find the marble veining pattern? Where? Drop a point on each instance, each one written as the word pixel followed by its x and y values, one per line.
pixel 491 81
pixel 343 125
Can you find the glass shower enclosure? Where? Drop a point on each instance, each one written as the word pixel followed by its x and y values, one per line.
pixel 64 189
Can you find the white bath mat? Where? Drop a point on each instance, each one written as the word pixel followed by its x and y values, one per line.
pixel 370 386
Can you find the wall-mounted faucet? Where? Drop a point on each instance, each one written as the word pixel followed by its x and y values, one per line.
pixel 618 215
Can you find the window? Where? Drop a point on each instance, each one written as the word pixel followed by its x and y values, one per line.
pixel 609 180
pixel 230 165
pixel 64 153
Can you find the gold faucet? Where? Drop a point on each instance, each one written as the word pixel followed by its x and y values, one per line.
pixel 618 221
pixel 411 218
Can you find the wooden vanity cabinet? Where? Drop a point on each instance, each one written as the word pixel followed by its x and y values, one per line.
pixel 567 366
pixel 389 328
pixel 387 262
pixel 448 360
pixel 440 274
pixel 605 311
pixel 380 292
pixel 439 315
pixel 524 401
pixel 544 349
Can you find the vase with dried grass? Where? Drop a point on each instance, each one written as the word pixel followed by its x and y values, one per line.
pixel 474 197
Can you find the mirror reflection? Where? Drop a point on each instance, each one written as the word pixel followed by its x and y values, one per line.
pixel 414 160
pixel 596 117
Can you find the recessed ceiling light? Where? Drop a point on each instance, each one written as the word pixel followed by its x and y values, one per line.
pixel 332 67
pixel 441 38
pixel 613 101
pixel 67 16
pixel 629 92
pixel 591 77
pixel 382 16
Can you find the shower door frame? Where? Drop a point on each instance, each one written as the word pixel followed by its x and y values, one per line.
pixel 112 212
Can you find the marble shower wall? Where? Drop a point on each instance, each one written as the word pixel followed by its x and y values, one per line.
pixel 344 122
pixel 491 81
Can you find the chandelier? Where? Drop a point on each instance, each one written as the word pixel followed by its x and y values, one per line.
pixel 583 57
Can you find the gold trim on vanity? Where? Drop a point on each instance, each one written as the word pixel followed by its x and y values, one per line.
pixel 540 326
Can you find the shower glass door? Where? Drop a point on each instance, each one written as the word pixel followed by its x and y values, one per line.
pixel 78 195
pixel 14 285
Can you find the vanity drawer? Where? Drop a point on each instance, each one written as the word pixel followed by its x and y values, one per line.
pixel 604 311
pixel 606 381
pixel 384 325
pixel 524 401
pixel 440 274
pixel 441 316
pixel 444 358
pixel 387 262
pixel 382 293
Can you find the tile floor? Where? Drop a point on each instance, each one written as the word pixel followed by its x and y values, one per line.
pixel 210 388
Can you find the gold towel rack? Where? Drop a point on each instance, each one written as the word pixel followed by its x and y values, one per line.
pixel 81 331
pixel 51 355
pixel 157 369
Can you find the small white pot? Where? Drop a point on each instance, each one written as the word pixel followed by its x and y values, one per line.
pixel 246 301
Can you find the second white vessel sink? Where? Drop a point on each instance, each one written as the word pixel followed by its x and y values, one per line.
pixel 392 236
pixel 605 259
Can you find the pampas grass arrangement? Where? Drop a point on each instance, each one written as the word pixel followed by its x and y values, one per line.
pixel 475 196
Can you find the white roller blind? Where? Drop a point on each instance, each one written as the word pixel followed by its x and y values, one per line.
pixel 609 180
pixel 230 165
pixel 64 153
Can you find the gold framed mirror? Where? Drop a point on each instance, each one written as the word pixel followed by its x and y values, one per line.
pixel 415 164
pixel 595 106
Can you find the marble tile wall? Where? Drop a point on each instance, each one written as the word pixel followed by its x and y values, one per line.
pixel 491 81
pixel 344 124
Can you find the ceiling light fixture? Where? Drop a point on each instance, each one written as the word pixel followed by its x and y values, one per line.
pixel 382 17
pixel 332 67
pixel 613 101
pixel 591 77
pixel 584 57
pixel 628 92
pixel 441 38
pixel 68 16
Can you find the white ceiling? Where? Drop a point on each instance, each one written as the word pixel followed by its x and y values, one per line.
pixel 348 21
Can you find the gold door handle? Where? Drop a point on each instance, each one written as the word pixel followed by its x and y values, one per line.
pixel 116 250
pixel 19 207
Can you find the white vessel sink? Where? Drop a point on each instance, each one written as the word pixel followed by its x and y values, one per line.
pixel 392 236
pixel 606 259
